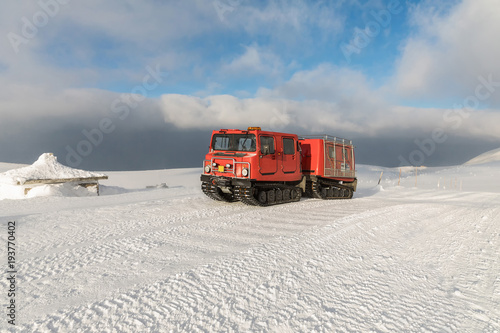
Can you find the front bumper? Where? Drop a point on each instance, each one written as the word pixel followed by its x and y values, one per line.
pixel 225 181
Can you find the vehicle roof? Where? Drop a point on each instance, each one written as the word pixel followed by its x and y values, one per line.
pixel 256 132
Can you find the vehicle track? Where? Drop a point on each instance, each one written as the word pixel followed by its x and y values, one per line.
pixel 250 283
pixel 315 265
pixel 175 241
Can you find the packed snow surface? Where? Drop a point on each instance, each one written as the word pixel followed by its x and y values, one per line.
pixel 416 254
pixel 46 167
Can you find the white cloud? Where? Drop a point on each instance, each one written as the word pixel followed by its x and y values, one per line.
pixel 219 110
pixel 95 43
pixel 326 82
pixel 254 61
pixel 223 111
pixel 327 99
pixel 295 24
pixel 450 51
pixel 294 16
pixel 81 43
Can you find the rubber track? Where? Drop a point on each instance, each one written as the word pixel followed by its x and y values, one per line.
pixel 212 192
pixel 245 195
pixel 313 190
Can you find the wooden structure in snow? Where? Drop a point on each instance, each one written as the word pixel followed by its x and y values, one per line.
pixel 48 171
pixel 84 182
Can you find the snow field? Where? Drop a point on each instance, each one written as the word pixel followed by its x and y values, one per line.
pixel 393 259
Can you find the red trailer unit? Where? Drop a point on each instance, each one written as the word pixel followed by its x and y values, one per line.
pixel 253 166
pixel 329 167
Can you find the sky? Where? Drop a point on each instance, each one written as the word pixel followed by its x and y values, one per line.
pixel 129 84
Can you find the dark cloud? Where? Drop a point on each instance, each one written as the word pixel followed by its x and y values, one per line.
pixel 124 149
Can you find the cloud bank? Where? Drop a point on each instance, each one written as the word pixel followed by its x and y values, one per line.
pixel 251 64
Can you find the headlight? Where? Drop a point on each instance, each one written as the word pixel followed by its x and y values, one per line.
pixel 244 172
pixel 207 169
pixel 228 166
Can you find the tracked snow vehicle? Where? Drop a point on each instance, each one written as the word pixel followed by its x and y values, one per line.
pixel 263 168
pixel 255 167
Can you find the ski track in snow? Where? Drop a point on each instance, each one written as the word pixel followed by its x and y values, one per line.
pixel 399 261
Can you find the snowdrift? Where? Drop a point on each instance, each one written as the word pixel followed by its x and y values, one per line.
pixel 488 157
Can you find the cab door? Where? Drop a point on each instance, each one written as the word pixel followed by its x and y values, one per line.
pixel 268 164
pixel 289 155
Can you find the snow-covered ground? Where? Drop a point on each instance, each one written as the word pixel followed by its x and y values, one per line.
pixel 421 256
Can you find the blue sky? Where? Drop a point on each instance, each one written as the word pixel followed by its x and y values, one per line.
pixel 297 44
pixel 363 69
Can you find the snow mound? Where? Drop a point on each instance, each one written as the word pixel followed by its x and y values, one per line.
pixel 61 190
pixel 46 167
pixel 489 156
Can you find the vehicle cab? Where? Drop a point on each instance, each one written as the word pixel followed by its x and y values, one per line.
pixel 253 155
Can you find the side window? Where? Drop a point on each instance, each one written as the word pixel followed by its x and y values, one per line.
pixel 267 145
pixel 345 165
pixel 331 152
pixel 288 146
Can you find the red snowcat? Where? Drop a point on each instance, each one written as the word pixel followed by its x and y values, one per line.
pixel 262 168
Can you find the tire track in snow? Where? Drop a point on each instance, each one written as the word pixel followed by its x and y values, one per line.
pixel 473 285
pixel 108 222
pixel 238 292
pixel 229 233
pixel 174 231
pixel 330 270
pixel 480 285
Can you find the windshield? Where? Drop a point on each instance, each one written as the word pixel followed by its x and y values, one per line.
pixel 234 142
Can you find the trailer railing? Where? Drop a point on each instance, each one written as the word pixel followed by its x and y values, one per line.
pixel 331 172
pixel 327 137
